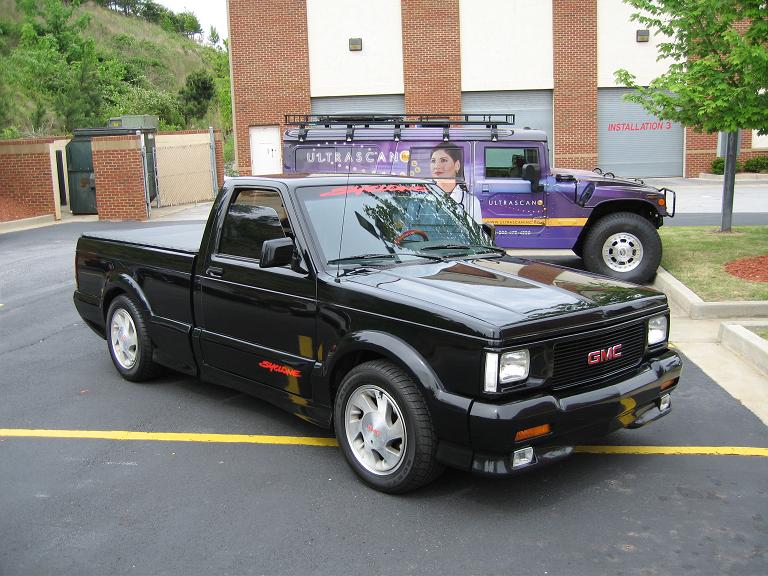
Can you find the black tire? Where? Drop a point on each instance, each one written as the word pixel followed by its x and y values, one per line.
pixel 621 227
pixel 143 367
pixel 418 462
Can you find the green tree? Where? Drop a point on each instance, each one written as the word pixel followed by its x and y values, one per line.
pixel 196 95
pixel 188 24
pixel 718 80
pixel 213 37
pixel 56 65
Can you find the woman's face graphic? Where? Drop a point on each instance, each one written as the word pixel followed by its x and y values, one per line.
pixel 443 166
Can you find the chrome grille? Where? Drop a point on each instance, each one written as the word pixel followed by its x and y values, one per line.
pixel 570 357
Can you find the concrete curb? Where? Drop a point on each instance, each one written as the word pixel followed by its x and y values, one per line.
pixel 697 309
pixel 739 339
pixel 740 177
pixel 26 223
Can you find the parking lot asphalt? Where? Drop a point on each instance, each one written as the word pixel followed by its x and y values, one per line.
pixel 98 506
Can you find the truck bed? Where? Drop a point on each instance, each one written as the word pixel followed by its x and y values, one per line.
pixel 180 237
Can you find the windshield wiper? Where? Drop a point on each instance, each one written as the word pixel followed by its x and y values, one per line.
pixel 496 249
pixel 361 257
pixel 447 247
pixel 382 256
pixel 499 251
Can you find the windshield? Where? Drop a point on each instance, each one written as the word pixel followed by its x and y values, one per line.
pixel 390 223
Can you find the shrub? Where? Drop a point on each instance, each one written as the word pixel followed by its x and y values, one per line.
pixel 718 166
pixel 757 164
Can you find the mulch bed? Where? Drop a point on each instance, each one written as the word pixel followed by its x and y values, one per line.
pixel 754 268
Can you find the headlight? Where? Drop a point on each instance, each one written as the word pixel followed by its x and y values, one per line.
pixel 657 330
pixel 505 368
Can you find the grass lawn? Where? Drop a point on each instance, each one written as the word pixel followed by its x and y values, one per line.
pixel 762 332
pixel 695 255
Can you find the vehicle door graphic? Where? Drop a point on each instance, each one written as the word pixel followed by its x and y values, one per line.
pixel 507 200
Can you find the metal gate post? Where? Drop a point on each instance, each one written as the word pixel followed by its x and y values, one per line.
pixel 145 174
pixel 214 175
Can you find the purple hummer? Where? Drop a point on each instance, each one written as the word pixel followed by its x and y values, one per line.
pixel 503 178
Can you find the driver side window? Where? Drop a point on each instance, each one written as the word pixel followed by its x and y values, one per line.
pixel 253 217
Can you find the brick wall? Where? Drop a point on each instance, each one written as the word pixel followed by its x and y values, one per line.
pixel 219 143
pixel 26 184
pixel 431 56
pixel 574 33
pixel 270 66
pixel 701 149
pixel 119 178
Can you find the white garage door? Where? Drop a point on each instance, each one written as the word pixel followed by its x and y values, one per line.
pixel 633 143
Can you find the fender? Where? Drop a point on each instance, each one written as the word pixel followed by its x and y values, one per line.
pixel 125 283
pixel 446 408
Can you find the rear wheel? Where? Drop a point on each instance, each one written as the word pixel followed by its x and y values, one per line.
pixel 128 340
pixel 384 428
pixel 623 245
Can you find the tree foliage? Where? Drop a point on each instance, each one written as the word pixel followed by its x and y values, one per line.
pixel 718 80
pixel 53 77
pixel 197 93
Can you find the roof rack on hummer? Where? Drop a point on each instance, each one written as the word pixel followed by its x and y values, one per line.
pixel 365 120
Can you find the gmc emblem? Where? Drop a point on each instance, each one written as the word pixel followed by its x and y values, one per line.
pixel 600 356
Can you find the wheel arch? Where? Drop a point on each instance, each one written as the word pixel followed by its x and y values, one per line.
pixel 640 207
pixel 363 346
pixel 121 283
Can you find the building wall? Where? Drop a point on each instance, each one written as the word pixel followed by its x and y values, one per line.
pixel 117 167
pixel 431 56
pixel 334 69
pixel 27 181
pixel 575 73
pixel 285 52
pixel 617 46
pixel 270 66
pixel 506 45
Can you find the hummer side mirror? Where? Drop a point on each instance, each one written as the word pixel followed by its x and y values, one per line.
pixel 276 252
pixel 532 173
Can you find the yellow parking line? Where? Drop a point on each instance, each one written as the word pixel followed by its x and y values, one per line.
pixel 676 450
pixel 168 436
pixel 320 441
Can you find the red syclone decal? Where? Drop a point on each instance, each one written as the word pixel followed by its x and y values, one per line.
pixel 360 189
pixel 600 356
pixel 272 367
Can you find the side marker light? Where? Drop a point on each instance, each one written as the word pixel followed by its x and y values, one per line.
pixel 532 432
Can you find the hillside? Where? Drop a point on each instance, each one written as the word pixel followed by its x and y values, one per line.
pixel 142 69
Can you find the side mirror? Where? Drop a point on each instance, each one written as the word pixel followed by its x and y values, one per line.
pixel 490 230
pixel 532 173
pixel 276 252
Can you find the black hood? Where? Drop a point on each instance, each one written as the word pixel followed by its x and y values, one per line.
pixel 511 294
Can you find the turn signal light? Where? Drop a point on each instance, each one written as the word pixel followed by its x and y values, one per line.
pixel 668 383
pixel 532 432
pixel 662 201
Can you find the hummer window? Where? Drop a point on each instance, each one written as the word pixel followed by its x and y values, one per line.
pixel 508 162
pixel 253 217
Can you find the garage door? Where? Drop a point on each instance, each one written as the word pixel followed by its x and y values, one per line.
pixel 382 104
pixel 631 142
pixel 532 108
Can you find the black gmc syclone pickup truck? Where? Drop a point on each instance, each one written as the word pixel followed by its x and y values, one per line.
pixel 377 306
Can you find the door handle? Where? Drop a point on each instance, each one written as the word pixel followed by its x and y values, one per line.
pixel 215 271
pixel 485 188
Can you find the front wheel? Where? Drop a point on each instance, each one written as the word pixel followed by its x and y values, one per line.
pixel 625 246
pixel 384 428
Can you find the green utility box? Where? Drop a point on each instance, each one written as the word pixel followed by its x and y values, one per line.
pixel 82 181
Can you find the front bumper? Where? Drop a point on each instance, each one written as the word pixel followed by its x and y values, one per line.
pixel 574 418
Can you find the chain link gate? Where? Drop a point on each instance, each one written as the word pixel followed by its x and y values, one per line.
pixel 185 169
